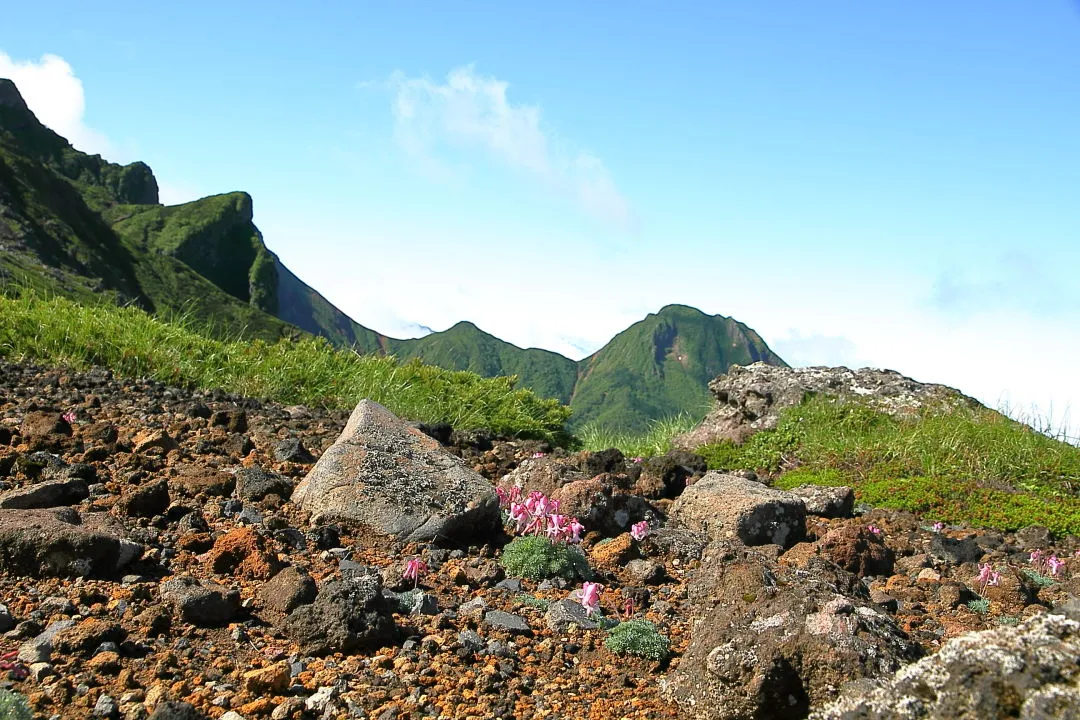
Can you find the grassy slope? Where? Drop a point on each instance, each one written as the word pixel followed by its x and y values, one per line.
pixel 310 371
pixel 971 466
pixel 660 367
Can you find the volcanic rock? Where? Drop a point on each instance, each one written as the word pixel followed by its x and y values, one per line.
pixel 727 506
pixel 388 478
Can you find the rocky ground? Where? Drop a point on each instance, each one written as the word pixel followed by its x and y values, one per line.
pixel 154 562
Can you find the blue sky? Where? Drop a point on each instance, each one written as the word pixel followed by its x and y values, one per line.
pixel 863 184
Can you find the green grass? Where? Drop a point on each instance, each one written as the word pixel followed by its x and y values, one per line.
pixel 308 371
pixel 655 441
pixel 958 465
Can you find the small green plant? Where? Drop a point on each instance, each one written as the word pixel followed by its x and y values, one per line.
pixel 1038 578
pixel 981 606
pixel 640 638
pixel 537 558
pixel 1008 620
pixel 13 706
pixel 532 601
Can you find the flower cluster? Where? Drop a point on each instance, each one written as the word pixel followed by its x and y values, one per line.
pixel 9 662
pixel 537 514
pixel 988 576
pixel 939 526
pixel 639 530
pixel 69 417
pixel 873 529
pixel 414 570
pixel 1047 565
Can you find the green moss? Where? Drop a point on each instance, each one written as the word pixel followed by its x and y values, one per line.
pixel 640 638
pixel 538 558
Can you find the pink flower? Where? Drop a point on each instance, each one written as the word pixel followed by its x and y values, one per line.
pixel 636 460
pixel 590 597
pixel 520 515
pixel 414 570
pixel 537 455
pixel 69 417
pixel 1055 564
pixel 1035 557
pixel 987 576
pixel 939 526
pixel 874 529
pixel 639 530
pixel 504 497
pixel 556 527
pixel 575 529
pixel 628 607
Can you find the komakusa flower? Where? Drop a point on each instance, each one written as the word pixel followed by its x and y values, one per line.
pixel 590 597
pixel 639 530
pixel 414 570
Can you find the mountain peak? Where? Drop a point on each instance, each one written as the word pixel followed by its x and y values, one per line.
pixel 14 112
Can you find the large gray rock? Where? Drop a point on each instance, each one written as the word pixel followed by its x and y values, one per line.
pixel 1028 671
pixel 728 506
pixel 769 642
pixel 62 543
pixel 385 477
pixel 827 502
pixel 52 493
pixel 347 615
pixel 751 398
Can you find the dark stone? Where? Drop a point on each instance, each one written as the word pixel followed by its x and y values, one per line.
pixel 146 501
pixel 514 624
pixel 962 551
pixel 173 710
pixel 235 421
pixel 289 589
pixel 254 484
pixel 439 431
pixel 59 542
pixel 292 450
pixel 46 495
pixel 200 602
pixel 346 615
pixel 604 461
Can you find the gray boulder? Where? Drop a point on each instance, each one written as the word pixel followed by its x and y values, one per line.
pixel 561 614
pixel 347 615
pixel 769 642
pixel 1030 671
pixel 289 589
pixel 39 543
pixel 728 506
pixel 827 502
pixel 751 398
pixel 385 477
pixel 53 493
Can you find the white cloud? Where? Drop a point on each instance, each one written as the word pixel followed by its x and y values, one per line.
pixel 171 194
pixel 53 92
pixel 471 111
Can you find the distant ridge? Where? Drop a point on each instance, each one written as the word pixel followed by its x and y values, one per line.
pixel 77 225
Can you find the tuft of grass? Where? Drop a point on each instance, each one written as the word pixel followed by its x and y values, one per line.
pixel 956 464
pixel 981 606
pixel 14 706
pixel 538 558
pixel 655 441
pixel 640 638
pixel 308 371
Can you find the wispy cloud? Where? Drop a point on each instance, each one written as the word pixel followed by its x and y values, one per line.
pixel 53 92
pixel 1016 281
pixel 474 111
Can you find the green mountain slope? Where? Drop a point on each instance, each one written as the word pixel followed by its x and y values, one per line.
pixel 76 225
pixel 661 366
pixel 467 347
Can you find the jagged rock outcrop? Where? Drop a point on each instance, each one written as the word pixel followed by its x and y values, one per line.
pixel 750 399
pixel 387 478
pixel 1029 671
pixel 769 642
